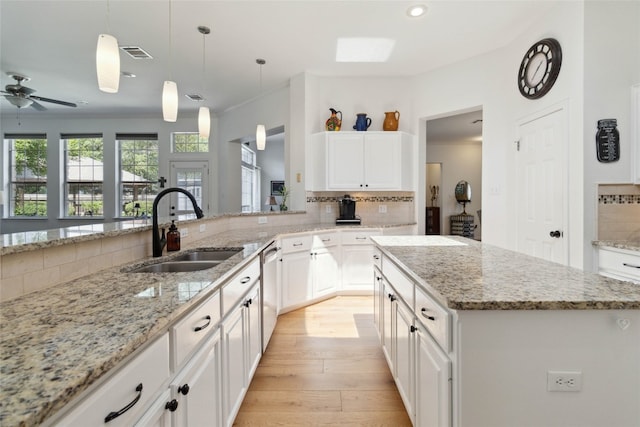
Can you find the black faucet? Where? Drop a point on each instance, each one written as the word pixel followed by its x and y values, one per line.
pixel 158 242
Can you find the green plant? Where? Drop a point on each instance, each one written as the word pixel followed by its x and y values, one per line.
pixel 284 192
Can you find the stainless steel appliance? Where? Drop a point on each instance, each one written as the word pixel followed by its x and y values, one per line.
pixel 347 211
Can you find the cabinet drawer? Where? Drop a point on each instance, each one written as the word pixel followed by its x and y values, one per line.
pixel 325 240
pixel 435 318
pixel 358 237
pixel 239 285
pixel 619 264
pixel 400 282
pixel 296 243
pixel 191 330
pixel 150 368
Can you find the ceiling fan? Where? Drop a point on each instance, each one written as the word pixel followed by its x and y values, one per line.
pixel 22 96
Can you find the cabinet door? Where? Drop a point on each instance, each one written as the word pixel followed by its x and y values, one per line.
pixel 404 351
pixel 357 265
pixel 197 388
pixel 254 331
pixel 296 278
pixel 345 167
pixel 433 386
pixel 326 271
pixel 158 415
pixel 388 321
pixel 377 301
pixel 234 362
pixel 382 157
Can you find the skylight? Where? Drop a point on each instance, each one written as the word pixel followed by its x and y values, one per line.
pixel 364 49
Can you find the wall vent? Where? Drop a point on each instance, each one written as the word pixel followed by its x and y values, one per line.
pixel 136 52
pixel 195 97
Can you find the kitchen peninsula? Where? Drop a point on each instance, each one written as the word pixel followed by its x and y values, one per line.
pixel 60 343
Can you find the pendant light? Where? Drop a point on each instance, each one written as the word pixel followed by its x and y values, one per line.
pixel 261 135
pixel 204 117
pixel 108 61
pixel 170 88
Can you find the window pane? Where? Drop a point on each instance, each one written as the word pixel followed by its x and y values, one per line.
pixel 28 170
pixel 84 176
pixel 138 175
pixel 189 142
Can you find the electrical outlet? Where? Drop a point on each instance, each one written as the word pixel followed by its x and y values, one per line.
pixel 382 208
pixel 184 232
pixel 327 209
pixel 564 381
pixel 262 220
pixel 203 227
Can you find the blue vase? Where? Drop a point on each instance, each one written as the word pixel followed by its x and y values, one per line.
pixel 362 122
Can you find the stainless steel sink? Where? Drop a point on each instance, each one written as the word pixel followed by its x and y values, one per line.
pixel 176 267
pixel 204 255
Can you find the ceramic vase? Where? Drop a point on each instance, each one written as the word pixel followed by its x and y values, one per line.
pixel 391 119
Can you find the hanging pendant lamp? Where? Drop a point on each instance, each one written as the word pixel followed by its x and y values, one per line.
pixel 261 135
pixel 108 61
pixel 170 88
pixel 204 116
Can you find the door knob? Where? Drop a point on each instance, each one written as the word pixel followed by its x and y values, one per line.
pixel 556 234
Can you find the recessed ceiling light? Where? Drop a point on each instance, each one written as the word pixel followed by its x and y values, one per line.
pixel 417 10
pixel 364 49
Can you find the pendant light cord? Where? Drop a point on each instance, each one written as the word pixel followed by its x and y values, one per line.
pixel 170 45
pixel 108 16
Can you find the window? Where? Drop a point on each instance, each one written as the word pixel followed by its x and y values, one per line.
pixel 28 169
pixel 138 157
pixel 189 142
pixel 84 174
pixel 250 181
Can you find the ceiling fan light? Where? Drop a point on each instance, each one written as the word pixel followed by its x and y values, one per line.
pixel 19 101
pixel 261 137
pixel 170 101
pixel 204 122
pixel 108 63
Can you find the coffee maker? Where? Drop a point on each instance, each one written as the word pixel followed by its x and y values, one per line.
pixel 347 211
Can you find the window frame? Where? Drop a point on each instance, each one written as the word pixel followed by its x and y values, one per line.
pixel 201 142
pixel 96 184
pixel 41 179
pixel 139 208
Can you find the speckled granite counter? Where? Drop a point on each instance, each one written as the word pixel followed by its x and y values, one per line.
pixel 629 245
pixel 467 275
pixel 55 344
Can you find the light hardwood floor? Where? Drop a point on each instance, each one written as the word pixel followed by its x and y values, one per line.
pixel 324 367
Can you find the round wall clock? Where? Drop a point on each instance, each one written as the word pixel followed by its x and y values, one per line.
pixel 539 68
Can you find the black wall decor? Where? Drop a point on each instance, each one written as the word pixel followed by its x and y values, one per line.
pixel 608 141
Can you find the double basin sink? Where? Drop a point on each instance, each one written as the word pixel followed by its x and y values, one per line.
pixel 200 259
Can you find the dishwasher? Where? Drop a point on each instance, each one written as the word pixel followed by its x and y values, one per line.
pixel 270 257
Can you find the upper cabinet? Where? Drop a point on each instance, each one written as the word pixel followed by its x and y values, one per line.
pixel 362 161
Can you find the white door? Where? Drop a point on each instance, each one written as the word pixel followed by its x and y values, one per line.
pixel 296 278
pixel 381 161
pixel 541 194
pixel 234 360
pixel 192 176
pixel 433 383
pixel 326 271
pixel 403 341
pixel 345 167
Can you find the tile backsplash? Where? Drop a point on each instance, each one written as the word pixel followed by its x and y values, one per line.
pixel 399 206
pixel 619 212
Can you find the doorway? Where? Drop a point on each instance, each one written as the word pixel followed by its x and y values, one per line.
pixel 454 143
pixel 192 176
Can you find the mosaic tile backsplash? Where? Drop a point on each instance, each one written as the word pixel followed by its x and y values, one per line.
pixel 619 212
pixel 399 206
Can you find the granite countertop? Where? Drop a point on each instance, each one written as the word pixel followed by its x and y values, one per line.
pixel 54 344
pixel 630 245
pixel 464 274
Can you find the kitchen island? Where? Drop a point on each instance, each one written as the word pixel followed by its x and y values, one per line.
pixel 500 326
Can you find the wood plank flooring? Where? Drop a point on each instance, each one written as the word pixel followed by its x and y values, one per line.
pixel 324 367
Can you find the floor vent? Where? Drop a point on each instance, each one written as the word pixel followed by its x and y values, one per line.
pixel 136 52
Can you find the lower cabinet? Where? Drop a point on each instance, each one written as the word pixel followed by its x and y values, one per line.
pixel 158 415
pixel 403 338
pixel 433 383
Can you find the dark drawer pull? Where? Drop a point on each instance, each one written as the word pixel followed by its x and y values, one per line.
pixel 376 257
pixel 248 302
pixel 326 240
pixel 423 311
pixel 245 280
pixel 297 244
pixel 116 414
pixel 630 265
pixel 199 328
pixel 184 389
pixel 361 238
pixel 392 297
pixel 172 405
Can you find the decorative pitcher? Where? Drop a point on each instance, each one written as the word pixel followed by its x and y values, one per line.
pixel 362 122
pixel 333 123
pixel 391 120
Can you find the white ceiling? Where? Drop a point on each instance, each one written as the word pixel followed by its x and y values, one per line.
pixel 54 42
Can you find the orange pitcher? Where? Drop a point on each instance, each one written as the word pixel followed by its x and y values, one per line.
pixel 391 120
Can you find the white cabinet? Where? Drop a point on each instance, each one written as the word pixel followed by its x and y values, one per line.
pixel 433 383
pixel 357 261
pixel 241 352
pixel 159 414
pixel 362 161
pixel 403 338
pixel 619 264
pixel 310 268
pixel 122 398
pixel 270 291
pixel 197 388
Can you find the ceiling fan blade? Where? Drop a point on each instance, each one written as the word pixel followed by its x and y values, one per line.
pixel 37 106
pixel 53 101
pixel 19 89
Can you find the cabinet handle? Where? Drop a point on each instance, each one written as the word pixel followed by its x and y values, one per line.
pixel 423 311
pixel 247 303
pixel 172 405
pixel 115 414
pixel 184 389
pixel 376 257
pixel 626 264
pixel 392 297
pixel 413 328
pixel 297 244
pixel 199 328
pixel 326 240
pixel 245 279
pixel 360 185
pixel 361 238
pixel 366 185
